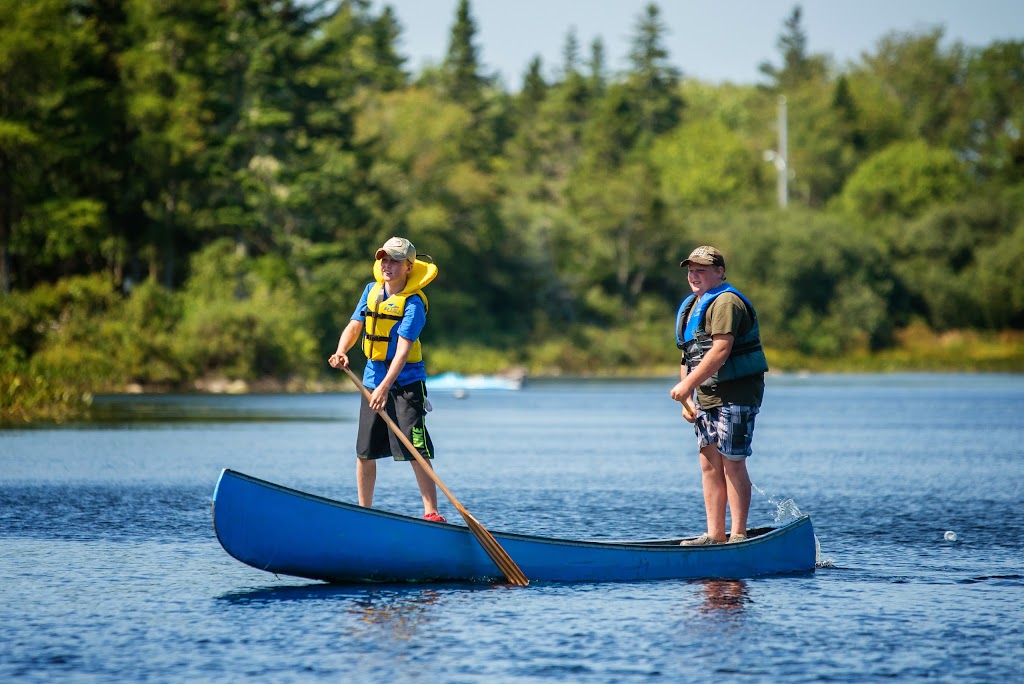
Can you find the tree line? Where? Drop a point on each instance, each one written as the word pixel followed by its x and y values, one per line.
pixel 196 188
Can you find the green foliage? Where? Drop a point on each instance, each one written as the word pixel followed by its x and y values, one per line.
pixel 27 396
pixel 938 259
pixel 471 358
pixel 38 45
pixel 819 284
pixel 72 340
pixel 19 324
pixel 999 289
pixel 798 66
pixel 653 80
pixel 916 87
pixel 995 83
pixel 462 66
pixel 56 230
pixel 904 179
pixel 330 293
pixel 198 190
pixel 144 332
pixel 243 319
pixel 263 337
pixel 60 330
pixel 704 164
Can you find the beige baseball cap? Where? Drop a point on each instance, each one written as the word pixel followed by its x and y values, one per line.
pixel 398 248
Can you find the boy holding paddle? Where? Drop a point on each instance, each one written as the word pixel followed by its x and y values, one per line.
pixel 390 316
pixel 716 327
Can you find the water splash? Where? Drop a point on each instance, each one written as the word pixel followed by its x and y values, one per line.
pixel 786 510
pixel 820 562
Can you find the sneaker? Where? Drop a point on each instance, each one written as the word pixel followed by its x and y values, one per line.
pixel 736 538
pixel 703 540
pixel 434 517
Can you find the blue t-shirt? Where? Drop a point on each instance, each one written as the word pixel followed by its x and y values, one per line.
pixel 413 320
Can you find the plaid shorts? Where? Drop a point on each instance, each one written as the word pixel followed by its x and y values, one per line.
pixel 731 427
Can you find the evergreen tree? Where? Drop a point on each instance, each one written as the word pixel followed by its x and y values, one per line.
pixel 389 69
pixel 463 81
pixel 533 91
pixel 653 82
pixel 816 145
pixel 166 72
pixel 598 75
pixel 39 138
pixel 615 191
pixel 570 55
pixel 797 65
pixel 100 162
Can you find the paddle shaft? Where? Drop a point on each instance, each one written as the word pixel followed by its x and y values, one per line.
pixel 504 562
pixel 688 411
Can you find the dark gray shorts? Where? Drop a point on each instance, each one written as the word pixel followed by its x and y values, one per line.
pixel 407 407
pixel 731 427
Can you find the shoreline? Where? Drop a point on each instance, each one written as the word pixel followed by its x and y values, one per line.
pixel 33 399
pixel 273 386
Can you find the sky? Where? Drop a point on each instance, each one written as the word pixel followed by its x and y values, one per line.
pixel 709 40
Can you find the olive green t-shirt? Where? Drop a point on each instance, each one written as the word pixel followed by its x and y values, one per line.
pixel 728 314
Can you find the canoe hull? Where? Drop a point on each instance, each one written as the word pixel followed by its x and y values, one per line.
pixel 288 532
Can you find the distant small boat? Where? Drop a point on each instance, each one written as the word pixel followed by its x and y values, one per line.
pixel 288 532
pixel 457 381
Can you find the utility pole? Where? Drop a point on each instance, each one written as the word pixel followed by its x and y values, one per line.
pixel 780 157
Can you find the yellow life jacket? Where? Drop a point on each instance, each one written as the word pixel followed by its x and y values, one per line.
pixel 383 314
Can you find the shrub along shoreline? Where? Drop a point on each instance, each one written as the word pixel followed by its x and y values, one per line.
pixel 29 397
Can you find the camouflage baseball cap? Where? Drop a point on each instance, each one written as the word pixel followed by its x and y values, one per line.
pixel 706 255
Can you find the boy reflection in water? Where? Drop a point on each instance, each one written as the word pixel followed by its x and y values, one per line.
pixel 401 615
pixel 724 596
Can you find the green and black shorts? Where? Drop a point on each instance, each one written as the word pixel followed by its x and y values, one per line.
pixel 407 407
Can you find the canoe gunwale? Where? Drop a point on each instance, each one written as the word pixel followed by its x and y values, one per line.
pixel 755 534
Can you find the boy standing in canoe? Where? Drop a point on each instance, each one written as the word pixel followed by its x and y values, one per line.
pixel 716 327
pixel 390 316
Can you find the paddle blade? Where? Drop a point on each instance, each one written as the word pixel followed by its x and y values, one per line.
pixel 500 557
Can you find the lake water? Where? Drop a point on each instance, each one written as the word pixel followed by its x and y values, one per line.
pixel 111 572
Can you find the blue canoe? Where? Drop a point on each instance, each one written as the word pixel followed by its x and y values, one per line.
pixel 288 532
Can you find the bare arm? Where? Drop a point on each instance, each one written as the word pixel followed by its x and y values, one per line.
pixel 351 333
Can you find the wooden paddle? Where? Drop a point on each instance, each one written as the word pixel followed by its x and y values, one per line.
pixel 689 412
pixel 504 562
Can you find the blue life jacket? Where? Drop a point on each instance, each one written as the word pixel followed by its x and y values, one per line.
pixel 746 357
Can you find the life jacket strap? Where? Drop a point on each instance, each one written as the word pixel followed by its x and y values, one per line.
pixel 748 348
pixel 374 314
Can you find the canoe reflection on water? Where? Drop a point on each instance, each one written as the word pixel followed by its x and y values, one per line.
pixel 724 595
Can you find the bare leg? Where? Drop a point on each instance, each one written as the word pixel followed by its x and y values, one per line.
pixel 737 481
pixel 428 490
pixel 366 478
pixel 713 480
